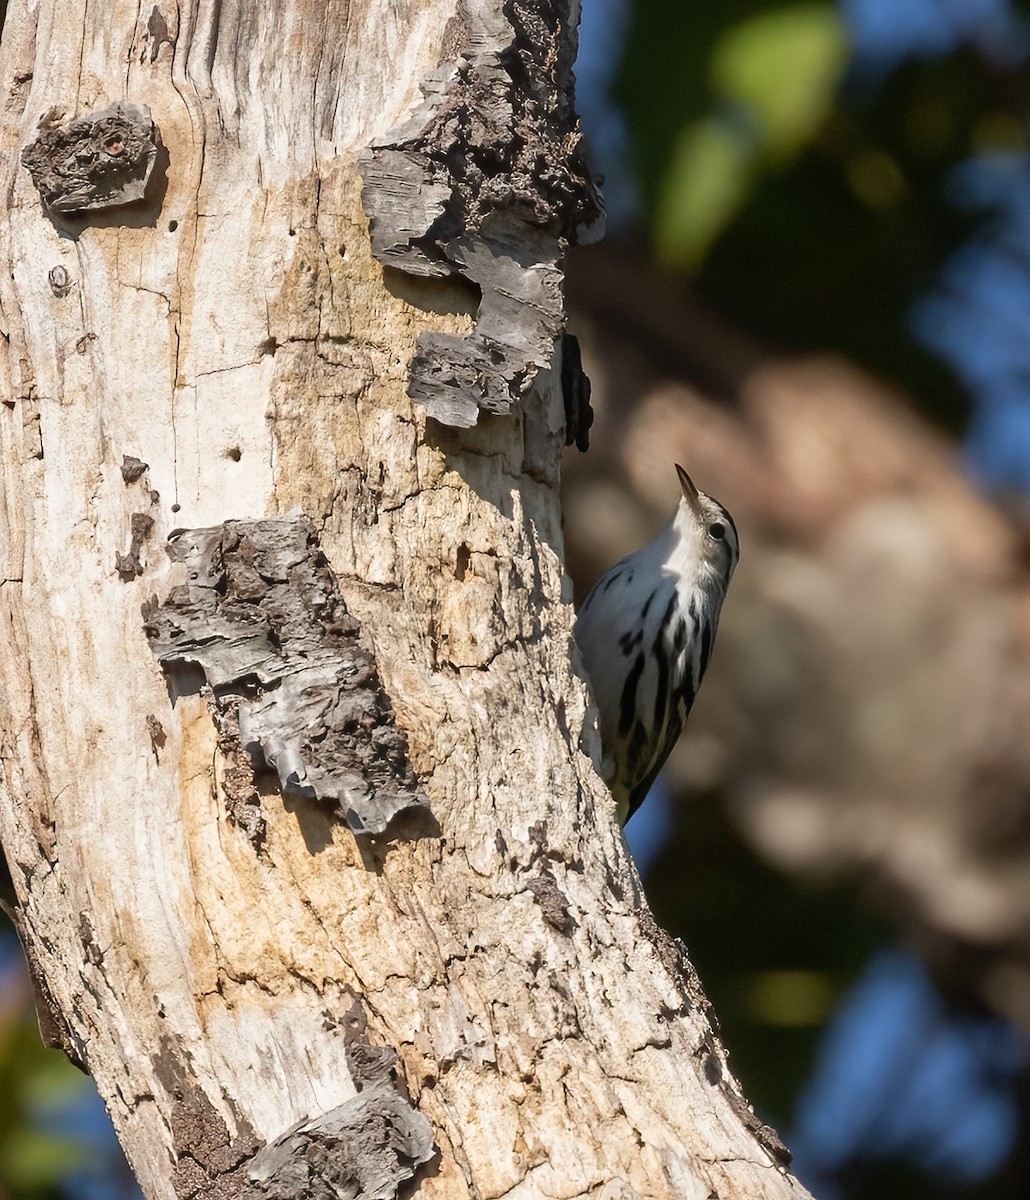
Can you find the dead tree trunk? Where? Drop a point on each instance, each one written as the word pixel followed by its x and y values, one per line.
pixel 294 797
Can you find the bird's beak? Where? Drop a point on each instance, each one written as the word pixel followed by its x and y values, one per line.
pixel 689 491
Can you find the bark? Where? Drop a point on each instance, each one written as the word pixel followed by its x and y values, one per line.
pixel 312 866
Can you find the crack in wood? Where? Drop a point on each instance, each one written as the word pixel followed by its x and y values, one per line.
pixel 261 616
pixel 239 785
pixel 575 388
pixel 486 181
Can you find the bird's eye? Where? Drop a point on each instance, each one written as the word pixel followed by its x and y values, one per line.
pixel 717 530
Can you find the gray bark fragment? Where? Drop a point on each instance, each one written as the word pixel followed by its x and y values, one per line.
pixel 261 616
pixel 128 565
pixel 362 1150
pixel 553 902
pixel 132 468
pixel 486 181
pixel 575 387
pixel 97 161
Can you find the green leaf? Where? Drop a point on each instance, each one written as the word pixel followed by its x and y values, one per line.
pixel 783 67
pixel 776 76
pixel 708 179
pixel 30 1159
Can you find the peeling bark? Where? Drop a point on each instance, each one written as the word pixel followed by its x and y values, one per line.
pixel 259 612
pixel 575 388
pixel 486 181
pixel 102 160
pixel 211 1160
pixel 365 1148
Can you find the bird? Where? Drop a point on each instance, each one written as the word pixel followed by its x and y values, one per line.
pixel 645 634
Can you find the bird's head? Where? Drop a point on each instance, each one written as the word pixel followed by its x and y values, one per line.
pixel 708 531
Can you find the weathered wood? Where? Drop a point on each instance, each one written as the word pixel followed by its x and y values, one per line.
pixel 486 181
pixel 230 350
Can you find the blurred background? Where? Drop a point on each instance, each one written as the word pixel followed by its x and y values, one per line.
pixel 815 294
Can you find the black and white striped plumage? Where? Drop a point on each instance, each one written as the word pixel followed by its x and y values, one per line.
pixel 646 632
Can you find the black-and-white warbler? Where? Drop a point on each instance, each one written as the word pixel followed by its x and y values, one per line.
pixel 645 633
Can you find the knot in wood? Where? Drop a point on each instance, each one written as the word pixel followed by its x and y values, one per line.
pixel 60 281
